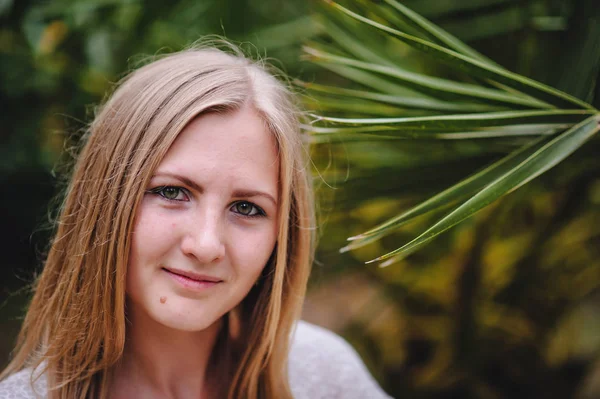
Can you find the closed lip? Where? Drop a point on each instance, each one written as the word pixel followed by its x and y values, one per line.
pixel 194 276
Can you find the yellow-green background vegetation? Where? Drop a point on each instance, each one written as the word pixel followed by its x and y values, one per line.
pixel 504 305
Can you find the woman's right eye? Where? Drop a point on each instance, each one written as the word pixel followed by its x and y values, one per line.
pixel 170 193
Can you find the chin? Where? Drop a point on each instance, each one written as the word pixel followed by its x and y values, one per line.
pixel 185 322
pixel 187 326
pixel 184 318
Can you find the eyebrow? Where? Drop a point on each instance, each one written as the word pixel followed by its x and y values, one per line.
pixel 197 187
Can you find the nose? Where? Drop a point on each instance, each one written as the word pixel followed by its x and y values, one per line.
pixel 203 240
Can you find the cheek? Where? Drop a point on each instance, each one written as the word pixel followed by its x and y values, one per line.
pixel 147 225
pixel 153 231
pixel 253 251
pixel 149 240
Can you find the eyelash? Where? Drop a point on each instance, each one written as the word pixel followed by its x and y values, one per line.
pixel 255 208
pixel 160 191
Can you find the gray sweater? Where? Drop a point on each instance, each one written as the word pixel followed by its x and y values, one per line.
pixel 321 366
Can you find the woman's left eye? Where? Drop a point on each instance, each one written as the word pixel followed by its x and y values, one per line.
pixel 246 208
pixel 170 193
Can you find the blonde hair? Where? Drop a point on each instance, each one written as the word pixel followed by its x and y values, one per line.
pixel 74 329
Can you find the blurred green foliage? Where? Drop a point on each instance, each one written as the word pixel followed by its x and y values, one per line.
pixel 506 305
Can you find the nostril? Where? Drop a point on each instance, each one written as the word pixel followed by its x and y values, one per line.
pixel 206 247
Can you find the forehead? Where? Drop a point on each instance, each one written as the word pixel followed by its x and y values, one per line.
pixel 233 147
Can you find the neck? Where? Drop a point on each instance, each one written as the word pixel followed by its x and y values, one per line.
pixel 159 361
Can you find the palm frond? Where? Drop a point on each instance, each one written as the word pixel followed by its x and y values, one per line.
pixel 480 100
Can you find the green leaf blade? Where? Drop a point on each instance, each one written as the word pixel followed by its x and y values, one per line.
pixel 402 101
pixel 458 122
pixel 476 67
pixel 442 36
pixel 456 192
pixel 429 84
pixel 542 160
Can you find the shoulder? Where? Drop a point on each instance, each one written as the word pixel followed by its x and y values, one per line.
pixel 18 386
pixel 323 365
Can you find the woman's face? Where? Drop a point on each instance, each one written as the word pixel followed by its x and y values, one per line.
pixel 207 224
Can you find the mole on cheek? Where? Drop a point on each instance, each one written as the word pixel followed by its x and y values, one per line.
pixel 163 299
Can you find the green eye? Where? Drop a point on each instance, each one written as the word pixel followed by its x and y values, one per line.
pixel 170 193
pixel 245 208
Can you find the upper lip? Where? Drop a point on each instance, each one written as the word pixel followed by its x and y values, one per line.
pixel 194 276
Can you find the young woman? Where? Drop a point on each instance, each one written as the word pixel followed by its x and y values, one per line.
pixel 183 249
